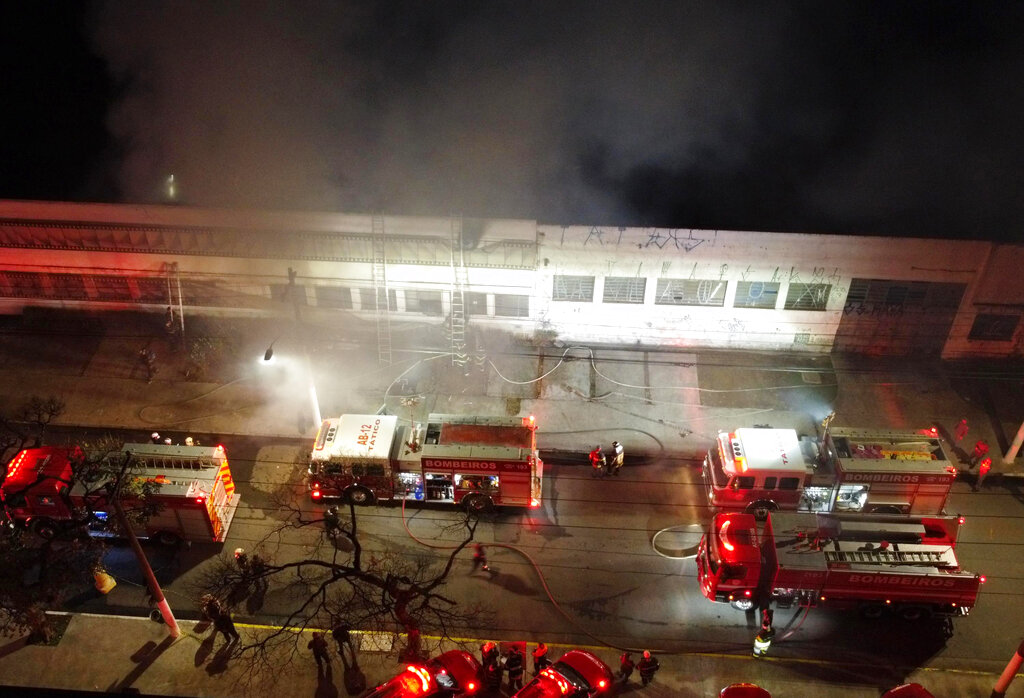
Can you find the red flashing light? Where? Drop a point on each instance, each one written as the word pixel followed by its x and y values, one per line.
pixel 220 448
pixel 563 685
pixel 933 431
pixel 747 593
pixel 315 494
pixel 602 684
pixel 423 675
pixel 530 421
pixel 722 535
pixel 888 601
pixel 534 503
pixel 199 500
pixel 982 578
pixel 822 598
pixel 960 519
pixel 15 464
pixel 470 687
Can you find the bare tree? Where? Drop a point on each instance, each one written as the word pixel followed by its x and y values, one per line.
pixel 388 591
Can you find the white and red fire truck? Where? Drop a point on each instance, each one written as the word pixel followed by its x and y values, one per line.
pixel 853 470
pixel 872 563
pixel 196 496
pixel 477 462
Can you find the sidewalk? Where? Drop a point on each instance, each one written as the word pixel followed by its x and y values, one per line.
pixel 671 405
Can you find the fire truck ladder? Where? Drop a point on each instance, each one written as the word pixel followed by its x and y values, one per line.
pixel 380 291
pixel 459 282
pixel 928 558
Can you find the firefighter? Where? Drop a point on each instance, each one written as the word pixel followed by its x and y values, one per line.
pixel 488 654
pixel 242 560
pixel 155 437
pixel 319 646
pixel 763 639
pixel 211 606
pixel 332 522
pixel 961 430
pixel 984 465
pixel 648 667
pixel 980 451
pixel 492 675
pixel 514 667
pixel 540 658
pixel 617 457
pixel 479 558
pixel 597 462
pixel 626 666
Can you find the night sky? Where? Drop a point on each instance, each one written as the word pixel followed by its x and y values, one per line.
pixel 891 118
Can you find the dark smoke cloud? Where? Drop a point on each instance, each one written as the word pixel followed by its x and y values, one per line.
pixel 889 117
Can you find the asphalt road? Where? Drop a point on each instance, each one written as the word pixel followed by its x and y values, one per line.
pixel 615 554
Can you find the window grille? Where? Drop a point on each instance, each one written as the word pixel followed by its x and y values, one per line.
pixel 691 292
pixel 624 289
pixel 579 289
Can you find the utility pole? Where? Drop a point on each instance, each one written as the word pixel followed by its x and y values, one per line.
pixel 154 587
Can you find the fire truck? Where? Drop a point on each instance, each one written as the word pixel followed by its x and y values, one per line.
pixel 849 470
pixel 196 498
pixel 475 462
pixel 872 563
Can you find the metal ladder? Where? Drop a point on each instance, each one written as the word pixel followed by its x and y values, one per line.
pixel 887 557
pixel 380 291
pixel 459 282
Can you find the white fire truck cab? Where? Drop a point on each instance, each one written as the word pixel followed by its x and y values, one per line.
pixel 477 462
pixel 196 498
pixel 850 470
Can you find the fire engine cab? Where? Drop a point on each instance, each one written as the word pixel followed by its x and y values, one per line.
pixel 477 462
pixel 849 470
pixel 196 498
pixel 874 563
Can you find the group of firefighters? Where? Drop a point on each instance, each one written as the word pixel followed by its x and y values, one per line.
pixel 514 663
pixel 599 463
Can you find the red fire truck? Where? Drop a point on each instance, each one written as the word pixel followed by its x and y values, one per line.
pixel 873 563
pixel 196 497
pixel 477 462
pixel 852 470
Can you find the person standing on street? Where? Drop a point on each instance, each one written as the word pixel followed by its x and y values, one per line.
pixel 222 623
pixel 648 667
pixel 479 558
pixel 980 451
pixel 618 456
pixel 488 654
pixel 984 465
pixel 514 667
pixel 343 637
pixel 625 667
pixel 319 646
pixel 961 430
pixel 597 462
pixel 540 658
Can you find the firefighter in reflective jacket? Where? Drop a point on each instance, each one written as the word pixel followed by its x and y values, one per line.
pixel 647 667
pixel 984 465
pixel 764 638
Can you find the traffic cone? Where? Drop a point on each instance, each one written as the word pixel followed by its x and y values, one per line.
pixel 104 582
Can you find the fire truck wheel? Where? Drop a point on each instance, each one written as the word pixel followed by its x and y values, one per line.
pixel 742 604
pixel 167 538
pixel 477 503
pixel 44 528
pixel 872 610
pixel 360 496
pixel 914 613
pixel 760 508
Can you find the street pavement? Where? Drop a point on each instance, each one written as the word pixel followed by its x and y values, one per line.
pixel 656 402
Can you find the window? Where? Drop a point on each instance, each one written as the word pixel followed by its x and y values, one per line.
pixel 476 303
pixel 426 302
pixel 756 294
pixel 289 293
pixel 884 296
pixel 206 293
pixel 112 288
pixel 743 483
pixel 690 292
pixel 994 328
pixel 807 296
pixel 769 483
pixel 578 289
pixel 509 305
pixel 333 297
pixel 24 284
pixel 789 483
pixel 624 289
pixel 368 300
pixel 152 290
pixel 68 286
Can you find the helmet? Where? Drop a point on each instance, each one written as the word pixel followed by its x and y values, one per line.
pixel 647 654
pixel 154 435
pixel 239 552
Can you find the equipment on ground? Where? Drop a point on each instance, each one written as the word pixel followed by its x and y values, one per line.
pixel 476 462
pixel 875 564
